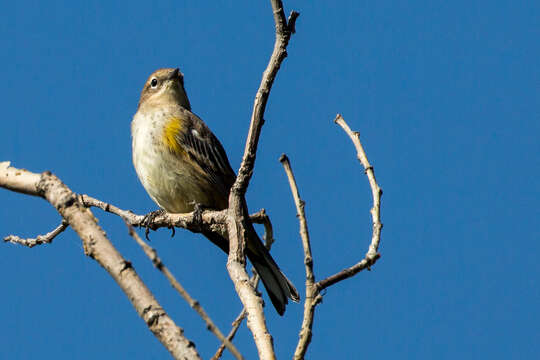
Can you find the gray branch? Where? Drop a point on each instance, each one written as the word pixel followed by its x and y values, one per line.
pixel 97 246
pixel 237 211
pixel 40 239
pixel 313 289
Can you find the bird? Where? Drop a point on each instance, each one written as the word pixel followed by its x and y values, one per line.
pixel 183 167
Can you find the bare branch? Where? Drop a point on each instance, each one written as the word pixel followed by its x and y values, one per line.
pixel 376 191
pixel 259 217
pixel 235 325
pixel 348 272
pixel 300 213
pixel 292 21
pixel 98 247
pixel 40 239
pixel 238 321
pixel 313 297
pixel 210 220
pixel 372 254
pixel 151 253
pixel 284 31
pixel 213 220
pixel 312 293
pixel 237 211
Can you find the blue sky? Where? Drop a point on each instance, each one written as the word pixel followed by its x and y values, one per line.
pixel 446 98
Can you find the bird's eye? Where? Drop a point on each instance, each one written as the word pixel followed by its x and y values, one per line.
pixel 153 83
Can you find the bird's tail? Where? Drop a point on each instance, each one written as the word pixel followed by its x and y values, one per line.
pixel 278 287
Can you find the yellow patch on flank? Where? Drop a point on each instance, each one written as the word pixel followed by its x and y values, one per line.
pixel 170 133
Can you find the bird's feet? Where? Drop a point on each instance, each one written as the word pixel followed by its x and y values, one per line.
pixel 197 213
pixel 148 219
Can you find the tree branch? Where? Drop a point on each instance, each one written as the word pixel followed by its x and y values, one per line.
pixel 151 253
pixel 235 325
pixel 98 247
pixel 237 322
pixel 237 212
pixel 312 294
pixel 313 289
pixel 259 218
pixel 210 220
pixel 40 239
pixel 372 254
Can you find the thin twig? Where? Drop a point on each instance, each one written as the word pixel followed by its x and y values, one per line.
pixel 237 212
pixel 237 322
pixel 235 325
pixel 284 30
pixel 300 213
pixel 151 253
pixel 313 296
pixel 210 220
pixel 313 289
pixel 261 217
pixel 372 254
pixel 346 273
pixel 40 239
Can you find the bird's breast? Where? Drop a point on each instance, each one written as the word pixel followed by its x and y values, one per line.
pixel 168 177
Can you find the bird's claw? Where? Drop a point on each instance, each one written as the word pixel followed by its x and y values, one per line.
pixel 148 219
pixel 197 213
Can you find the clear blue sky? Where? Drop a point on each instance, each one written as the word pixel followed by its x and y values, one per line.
pixel 445 95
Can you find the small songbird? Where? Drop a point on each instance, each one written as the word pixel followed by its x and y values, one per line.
pixel 182 164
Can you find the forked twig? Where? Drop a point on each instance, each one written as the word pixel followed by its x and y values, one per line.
pixel 313 289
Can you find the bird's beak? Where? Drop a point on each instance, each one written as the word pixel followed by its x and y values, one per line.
pixel 173 74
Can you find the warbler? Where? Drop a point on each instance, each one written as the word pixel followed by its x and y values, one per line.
pixel 182 164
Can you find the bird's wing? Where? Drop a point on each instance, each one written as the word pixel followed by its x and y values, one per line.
pixel 204 148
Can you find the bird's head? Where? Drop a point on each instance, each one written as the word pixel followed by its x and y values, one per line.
pixel 165 86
